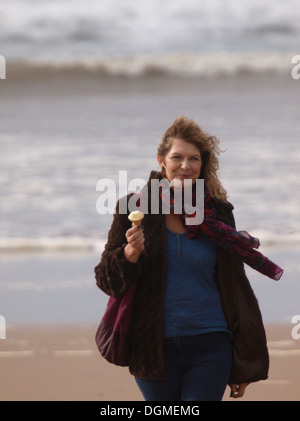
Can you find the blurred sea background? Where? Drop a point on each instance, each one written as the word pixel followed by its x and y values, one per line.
pixel 90 88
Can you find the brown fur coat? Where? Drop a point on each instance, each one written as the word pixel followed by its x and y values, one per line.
pixel 114 274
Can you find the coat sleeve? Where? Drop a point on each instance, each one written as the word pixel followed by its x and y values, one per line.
pixel 115 274
pixel 250 358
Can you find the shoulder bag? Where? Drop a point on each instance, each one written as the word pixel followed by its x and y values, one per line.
pixel 114 331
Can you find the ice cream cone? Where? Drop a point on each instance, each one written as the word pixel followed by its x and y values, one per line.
pixel 136 217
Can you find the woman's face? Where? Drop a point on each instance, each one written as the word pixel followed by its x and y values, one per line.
pixel 183 161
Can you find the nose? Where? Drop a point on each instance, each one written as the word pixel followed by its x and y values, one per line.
pixel 185 164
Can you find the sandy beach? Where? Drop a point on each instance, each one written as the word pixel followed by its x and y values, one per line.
pixel 52 313
pixel 61 363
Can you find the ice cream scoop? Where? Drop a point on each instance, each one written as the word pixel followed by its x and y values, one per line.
pixel 136 217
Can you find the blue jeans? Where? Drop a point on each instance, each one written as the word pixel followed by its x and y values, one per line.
pixel 197 368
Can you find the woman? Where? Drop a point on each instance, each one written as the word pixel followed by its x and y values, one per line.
pixel 197 325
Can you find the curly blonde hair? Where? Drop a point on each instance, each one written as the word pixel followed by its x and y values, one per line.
pixel 189 131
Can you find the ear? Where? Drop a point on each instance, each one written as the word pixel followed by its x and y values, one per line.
pixel 160 161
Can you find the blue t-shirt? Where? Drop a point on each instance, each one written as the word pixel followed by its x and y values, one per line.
pixel 192 302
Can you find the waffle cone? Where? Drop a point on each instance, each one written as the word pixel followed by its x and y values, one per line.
pixel 138 222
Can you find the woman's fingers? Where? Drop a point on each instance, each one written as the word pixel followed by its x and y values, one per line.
pixel 135 237
pixel 238 390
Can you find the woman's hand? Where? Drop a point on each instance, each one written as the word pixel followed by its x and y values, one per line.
pixel 237 390
pixel 135 238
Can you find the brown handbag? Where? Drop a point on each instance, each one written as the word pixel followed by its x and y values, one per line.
pixel 113 336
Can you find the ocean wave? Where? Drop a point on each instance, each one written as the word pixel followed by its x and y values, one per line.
pixel 53 285
pixel 272 239
pixel 109 26
pixel 83 244
pixel 175 64
pixel 56 244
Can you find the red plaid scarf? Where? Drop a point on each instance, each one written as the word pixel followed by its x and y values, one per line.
pixel 238 243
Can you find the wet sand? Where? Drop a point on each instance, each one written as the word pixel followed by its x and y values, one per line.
pixel 61 363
